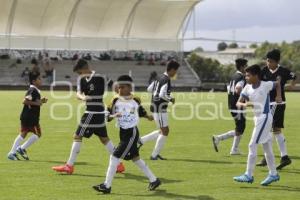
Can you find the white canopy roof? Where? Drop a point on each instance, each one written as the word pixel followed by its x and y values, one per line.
pixel 142 19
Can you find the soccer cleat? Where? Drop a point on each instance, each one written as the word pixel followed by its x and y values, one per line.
pixel 234 152
pixel 121 168
pixel 270 179
pixel 152 186
pixel 284 161
pixel 12 156
pixel 102 188
pixel 22 153
pixel 244 179
pixel 64 168
pixel 158 157
pixel 262 163
pixel 216 142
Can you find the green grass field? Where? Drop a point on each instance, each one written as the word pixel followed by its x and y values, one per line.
pixel 193 170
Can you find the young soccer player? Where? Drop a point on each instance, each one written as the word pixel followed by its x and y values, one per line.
pixel 127 109
pixel 161 96
pixel 271 72
pixel 30 118
pixel 256 94
pixel 235 87
pixel 91 88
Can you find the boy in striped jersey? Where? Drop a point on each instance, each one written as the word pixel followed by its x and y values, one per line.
pixel 161 96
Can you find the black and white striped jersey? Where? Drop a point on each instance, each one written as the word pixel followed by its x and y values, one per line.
pixel 93 86
pixel 238 79
pixel 161 93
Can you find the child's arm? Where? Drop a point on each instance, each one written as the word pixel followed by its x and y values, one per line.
pixel 35 103
pixel 81 96
pixel 278 97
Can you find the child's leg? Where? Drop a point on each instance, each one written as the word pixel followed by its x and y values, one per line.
pixel 160 142
pixel 151 136
pixel 32 139
pixel 111 171
pixel 142 165
pixel 251 158
pixel 17 142
pixel 75 150
pixel 270 157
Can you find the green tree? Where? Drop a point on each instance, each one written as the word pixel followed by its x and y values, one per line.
pixel 222 46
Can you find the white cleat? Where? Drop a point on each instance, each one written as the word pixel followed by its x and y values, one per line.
pixel 235 152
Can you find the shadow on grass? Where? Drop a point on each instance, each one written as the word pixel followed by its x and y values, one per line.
pixel 206 161
pixel 275 188
pixel 290 171
pixel 168 195
pixel 126 175
pixel 59 162
pixel 144 179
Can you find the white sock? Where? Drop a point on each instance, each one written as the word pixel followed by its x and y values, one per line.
pixel 142 165
pixel 281 144
pixel 111 171
pixel 32 139
pixel 151 136
pixel 74 152
pixel 227 135
pixel 236 142
pixel 16 144
pixel 270 157
pixel 110 147
pixel 251 159
pixel 159 145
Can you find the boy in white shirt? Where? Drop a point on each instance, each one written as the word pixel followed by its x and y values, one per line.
pixel 256 94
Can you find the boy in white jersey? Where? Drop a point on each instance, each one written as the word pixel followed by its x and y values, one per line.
pixel 127 109
pixel 256 94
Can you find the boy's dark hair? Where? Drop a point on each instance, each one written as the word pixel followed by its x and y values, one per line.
pixel 240 62
pixel 33 75
pixel 274 55
pixel 254 70
pixel 173 65
pixel 34 61
pixel 126 79
pixel 81 63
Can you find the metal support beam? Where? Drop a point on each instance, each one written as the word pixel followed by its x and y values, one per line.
pixel 129 21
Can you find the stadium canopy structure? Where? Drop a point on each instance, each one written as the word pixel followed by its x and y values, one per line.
pixel 93 24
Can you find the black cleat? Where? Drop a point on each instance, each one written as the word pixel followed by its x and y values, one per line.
pixel 216 142
pixel 262 163
pixel 152 186
pixel 158 157
pixel 102 188
pixel 284 161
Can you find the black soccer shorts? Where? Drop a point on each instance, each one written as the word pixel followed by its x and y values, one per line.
pixel 92 123
pixel 127 148
pixel 240 121
pixel 278 116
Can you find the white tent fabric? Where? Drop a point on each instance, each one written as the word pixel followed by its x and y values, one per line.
pixel 94 19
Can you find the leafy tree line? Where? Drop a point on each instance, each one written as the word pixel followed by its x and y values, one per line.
pixel 210 70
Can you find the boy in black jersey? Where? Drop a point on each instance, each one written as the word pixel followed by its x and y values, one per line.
pixel 235 87
pixel 91 88
pixel 272 72
pixel 30 118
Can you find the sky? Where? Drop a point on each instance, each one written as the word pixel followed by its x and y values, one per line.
pixel 250 20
